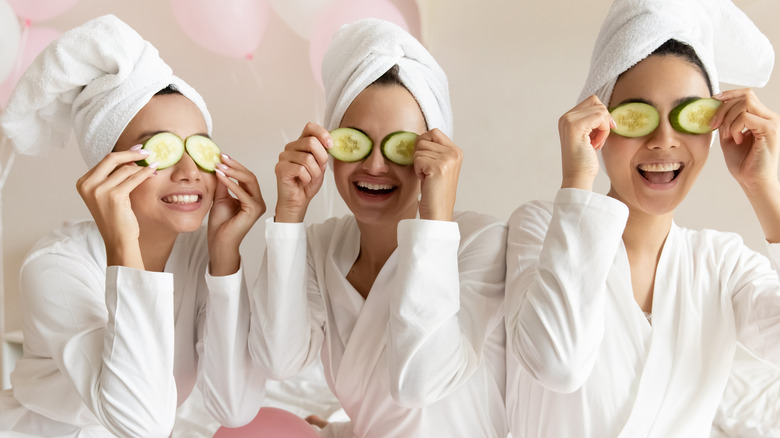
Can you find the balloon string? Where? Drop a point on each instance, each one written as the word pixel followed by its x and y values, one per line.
pixel 253 70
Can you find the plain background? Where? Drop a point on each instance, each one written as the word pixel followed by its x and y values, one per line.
pixel 514 68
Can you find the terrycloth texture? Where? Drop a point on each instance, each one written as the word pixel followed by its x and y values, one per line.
pixel 363 51
pixel 729 45
pixel 94 78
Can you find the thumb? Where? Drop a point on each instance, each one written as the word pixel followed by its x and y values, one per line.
pixel 221 192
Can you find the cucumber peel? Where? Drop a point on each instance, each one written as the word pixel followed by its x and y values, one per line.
pixel 398 147
pixel 350 144
pixel 204 152
pixel 694 115
pixel 166 148
pixel 634 119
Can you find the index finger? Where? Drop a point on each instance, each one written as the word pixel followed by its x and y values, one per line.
pixel 314 130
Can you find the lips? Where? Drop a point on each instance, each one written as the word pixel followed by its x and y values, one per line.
pixel 660 173
pixel 183 199
pixel 374 189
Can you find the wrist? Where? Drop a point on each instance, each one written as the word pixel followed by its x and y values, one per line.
pixel 578 182
pixel 289 215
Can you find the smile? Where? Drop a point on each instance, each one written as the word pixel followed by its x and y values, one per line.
pixel 181 199
pixel 660 173
pixel 374 189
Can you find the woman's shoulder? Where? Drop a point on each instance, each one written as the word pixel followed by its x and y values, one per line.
pixel 75 239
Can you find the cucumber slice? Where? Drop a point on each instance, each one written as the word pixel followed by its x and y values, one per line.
pixel 694 115
pixel 398 147
pixel 350 144
pixel 634 119
pixel 165 148
pixel 204 152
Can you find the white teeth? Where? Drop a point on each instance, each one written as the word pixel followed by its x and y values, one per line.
pixel 659 167
pixel 181 199
pixel 370 186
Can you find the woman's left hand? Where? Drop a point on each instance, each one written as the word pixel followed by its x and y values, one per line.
pixel 437 163
pixel 749 138
pixel 231 218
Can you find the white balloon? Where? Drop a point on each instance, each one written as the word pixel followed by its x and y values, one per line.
pixel 299 15
pixel 10 34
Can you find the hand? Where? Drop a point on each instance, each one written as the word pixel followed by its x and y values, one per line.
pixel 583 130
pixel 749 138
pixel 316 420
pixel 300 172
pixel 105 190
pixel 437 162
pixel 231 218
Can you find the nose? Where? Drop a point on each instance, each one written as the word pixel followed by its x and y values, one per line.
pixel 186 170
pixel 664 136
pixel 375 163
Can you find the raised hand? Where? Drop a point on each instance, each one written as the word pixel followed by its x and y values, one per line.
pixel 300 172
pixel 437 162
pixel 583 131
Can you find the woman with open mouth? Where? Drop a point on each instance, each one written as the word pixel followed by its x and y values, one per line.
pixel 403 297
pixel 620 323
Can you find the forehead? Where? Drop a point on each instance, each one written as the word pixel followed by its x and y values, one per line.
pixel 660 80
pixel 381 109
pixel 169 112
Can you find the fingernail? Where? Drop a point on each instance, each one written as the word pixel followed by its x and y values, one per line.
pixel 155 173
pixel 145 152
pixel 219 172
pixel 329 143
pixel 154 164
pixel 222 166
pixel 226 157
pixel 612 122
pixel 136 147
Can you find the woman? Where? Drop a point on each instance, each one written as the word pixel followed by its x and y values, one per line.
pixel 403 297
pixel 121 315
pixel 619 322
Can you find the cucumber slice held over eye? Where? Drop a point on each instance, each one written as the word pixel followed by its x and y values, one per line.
pixel 634 119
pixel 165 148
pixel 204 152
pixel 350 144
pixel 693 116
pixel 398 147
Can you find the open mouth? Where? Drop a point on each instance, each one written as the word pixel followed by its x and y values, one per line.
pixel 375 189
pixel 660 173
pixel 181 199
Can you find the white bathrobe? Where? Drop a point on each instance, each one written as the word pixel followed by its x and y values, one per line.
pixel 112 351
pixel 423 355
pixel 584 361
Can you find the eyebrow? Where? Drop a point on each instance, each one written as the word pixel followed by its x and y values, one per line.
pixel 647 102
pixel 149 134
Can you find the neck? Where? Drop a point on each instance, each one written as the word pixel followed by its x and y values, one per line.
pixel 645 232
pixel 156 247
pixel 377 243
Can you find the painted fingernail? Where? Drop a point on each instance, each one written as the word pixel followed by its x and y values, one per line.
pixel 136 147
pixel 219 172
pixel 226 157
pixel 222 166
pixel 612 122
pixel 154 164
pixel 145 152
pixel 329 143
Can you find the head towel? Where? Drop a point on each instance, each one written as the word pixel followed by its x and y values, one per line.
pixel 95 79
pixel 729 45
pixel 363 51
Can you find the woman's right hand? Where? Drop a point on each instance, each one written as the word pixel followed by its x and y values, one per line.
pixel 300 172
pixel 583 130
pixel 105 190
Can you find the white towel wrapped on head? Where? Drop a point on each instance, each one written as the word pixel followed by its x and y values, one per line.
pixel 729 45
pixel 95 79
pixel 363 51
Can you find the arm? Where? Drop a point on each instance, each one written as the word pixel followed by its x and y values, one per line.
pixel 233 387
pixel 288 317
pixel 557 267
pixel 113 339
pixel 449 301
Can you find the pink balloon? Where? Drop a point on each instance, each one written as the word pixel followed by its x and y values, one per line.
pixel 271 423
pixel 344 12
pixel 40 10
pixel 227 27
pixel 37 40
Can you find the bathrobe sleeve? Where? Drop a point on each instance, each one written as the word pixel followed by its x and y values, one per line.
pixel 448 301
pixel 755 295
pixel 558 259
pixel 112 339
pixel 233 387
pixel 287 310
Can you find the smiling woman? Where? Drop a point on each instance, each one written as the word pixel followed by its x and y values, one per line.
pixel 124 313
pixel 617 319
